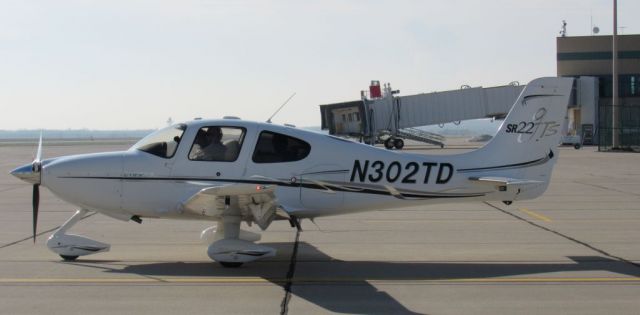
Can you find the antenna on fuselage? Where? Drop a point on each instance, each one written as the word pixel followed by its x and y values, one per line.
pixel 281 106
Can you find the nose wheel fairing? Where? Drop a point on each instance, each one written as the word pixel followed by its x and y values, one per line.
pixel 70 246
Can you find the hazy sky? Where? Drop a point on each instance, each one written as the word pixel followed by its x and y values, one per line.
pixel 133 64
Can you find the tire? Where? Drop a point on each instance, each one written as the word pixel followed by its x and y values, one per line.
pixel 228 264
pixel 389 143
pixel 398 143
pixel 69 258
pixel 577 146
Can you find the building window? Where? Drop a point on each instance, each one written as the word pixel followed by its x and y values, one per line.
pixel 628 86
pixel 605 83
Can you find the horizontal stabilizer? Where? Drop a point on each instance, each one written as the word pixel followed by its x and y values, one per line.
pixel 504 182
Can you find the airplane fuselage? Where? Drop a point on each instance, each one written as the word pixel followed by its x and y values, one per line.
pixel 337 176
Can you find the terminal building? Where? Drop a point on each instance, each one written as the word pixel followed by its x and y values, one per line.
pixel 589 59
pixel 381 116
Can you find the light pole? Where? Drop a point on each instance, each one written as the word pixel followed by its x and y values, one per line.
pixel 614 103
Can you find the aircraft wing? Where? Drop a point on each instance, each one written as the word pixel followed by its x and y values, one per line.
pixel 257 201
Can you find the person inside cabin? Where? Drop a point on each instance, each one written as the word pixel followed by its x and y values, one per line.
pixel 208 146
pixel 198 144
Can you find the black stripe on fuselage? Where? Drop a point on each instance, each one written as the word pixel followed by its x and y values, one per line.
pixel 327 172
pixel 336 187
pixel 508 166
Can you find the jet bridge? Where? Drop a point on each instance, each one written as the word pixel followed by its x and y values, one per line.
pixel 382 117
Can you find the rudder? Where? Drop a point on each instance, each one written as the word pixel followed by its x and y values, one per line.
pixel 525 146
pixel 534 123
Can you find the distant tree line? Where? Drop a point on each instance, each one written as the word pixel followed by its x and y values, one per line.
pixel 75 134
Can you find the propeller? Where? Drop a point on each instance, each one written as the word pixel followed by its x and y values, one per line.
pixel 36 202
pixel 36 167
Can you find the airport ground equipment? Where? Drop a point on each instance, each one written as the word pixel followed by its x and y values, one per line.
pixel 575 141
pixel 396 141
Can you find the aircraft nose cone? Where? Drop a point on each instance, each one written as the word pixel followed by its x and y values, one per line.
pixel 26 173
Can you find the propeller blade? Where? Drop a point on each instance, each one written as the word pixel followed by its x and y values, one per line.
pixel 36 165
pixel 36 203
pixel 39 153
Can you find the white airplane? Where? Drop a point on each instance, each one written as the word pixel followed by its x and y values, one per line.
pixel 259 172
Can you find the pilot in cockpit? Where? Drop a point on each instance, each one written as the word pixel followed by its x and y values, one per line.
pixel 208 146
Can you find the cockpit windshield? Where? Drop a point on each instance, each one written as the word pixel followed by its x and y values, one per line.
pixel 162 143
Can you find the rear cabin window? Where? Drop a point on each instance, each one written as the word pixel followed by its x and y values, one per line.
pixel 221 144
pixel 277 148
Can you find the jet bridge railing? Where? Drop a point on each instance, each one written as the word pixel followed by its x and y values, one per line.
pixel 390 115
pixel 422 136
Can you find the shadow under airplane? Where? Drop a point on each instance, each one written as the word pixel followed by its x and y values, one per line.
pixel 343 286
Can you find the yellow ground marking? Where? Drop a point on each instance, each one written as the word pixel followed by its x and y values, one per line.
pixel 140 280
pixel 256 280
pixel 535 215
pixel 422 221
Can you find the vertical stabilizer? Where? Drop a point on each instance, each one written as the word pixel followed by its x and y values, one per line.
pixel 534 123
pixel 525 146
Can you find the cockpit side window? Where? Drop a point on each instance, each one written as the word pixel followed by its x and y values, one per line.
pixel 162 143
pixel 216 143
pixel 277 148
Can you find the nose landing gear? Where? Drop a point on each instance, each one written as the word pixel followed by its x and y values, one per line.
pixel 70 246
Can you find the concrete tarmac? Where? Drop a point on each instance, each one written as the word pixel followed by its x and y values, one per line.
pixel 575 250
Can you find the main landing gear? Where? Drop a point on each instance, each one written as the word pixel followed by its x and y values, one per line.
pixel 392 142
pixel 69 258
pixel 231 246
pixel 70 246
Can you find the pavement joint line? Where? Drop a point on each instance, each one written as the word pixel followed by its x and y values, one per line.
pixel 256 280
pixel 575 240
pixel 535 215
pixel 10 189
pixel 41 233
pixel 606 188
